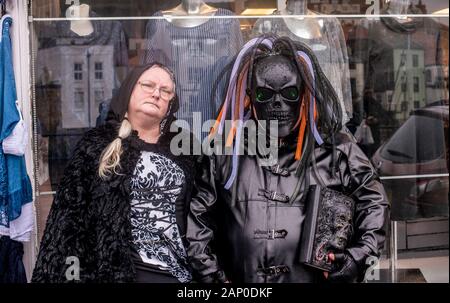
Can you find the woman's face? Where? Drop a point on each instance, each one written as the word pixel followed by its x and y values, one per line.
pixel 151 96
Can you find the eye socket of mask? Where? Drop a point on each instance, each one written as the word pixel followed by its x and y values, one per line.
pixel 264 94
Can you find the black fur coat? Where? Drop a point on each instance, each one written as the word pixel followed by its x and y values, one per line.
pixel 90 217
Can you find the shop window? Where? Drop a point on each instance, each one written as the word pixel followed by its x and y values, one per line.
pixel 399 70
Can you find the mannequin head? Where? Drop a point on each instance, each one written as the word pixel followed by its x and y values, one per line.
pixel 297 7
pixel 192 6
pixel 277 93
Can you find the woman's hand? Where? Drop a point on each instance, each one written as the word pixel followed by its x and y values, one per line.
pixel 348 269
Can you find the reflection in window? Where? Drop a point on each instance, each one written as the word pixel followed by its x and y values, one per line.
pixel 98 70
pixel 415 60
pixel 99 95
pixel 404 87
pixel 428 75
pixel 404 106
pixel 416 84
pixel 78 71
pixel 419 139
pixel 78 102
pixel 353 86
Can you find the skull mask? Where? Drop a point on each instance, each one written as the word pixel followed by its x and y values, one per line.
pixel 277 92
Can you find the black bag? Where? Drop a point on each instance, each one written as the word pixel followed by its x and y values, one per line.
pixel 328 226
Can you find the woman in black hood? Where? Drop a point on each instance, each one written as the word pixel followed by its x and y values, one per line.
pixel 119 214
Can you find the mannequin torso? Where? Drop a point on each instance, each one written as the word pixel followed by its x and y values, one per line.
pixel 190 8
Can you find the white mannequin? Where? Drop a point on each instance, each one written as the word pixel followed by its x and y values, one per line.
pixel 190 8
pixel 80 27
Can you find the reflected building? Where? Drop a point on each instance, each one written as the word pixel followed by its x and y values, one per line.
pixel 85 75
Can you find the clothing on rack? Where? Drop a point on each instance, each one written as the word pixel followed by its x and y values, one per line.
pixel 12 269
pixel 16 217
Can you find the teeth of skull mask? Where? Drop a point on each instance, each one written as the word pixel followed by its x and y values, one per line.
pixel 276 92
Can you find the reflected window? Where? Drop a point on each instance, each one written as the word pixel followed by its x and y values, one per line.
pixel 428 75
pixel 98 70
pixel 78 101
pixel 416 84
pixel 78 71
pixel 415 60
pixel 404 87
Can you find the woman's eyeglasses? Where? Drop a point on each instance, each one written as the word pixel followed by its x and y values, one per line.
pixel 265 94
pixel 150 87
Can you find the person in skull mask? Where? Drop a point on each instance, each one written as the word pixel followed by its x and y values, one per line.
pixel 245 219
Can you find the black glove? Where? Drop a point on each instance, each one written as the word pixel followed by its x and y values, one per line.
pixel 347 269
